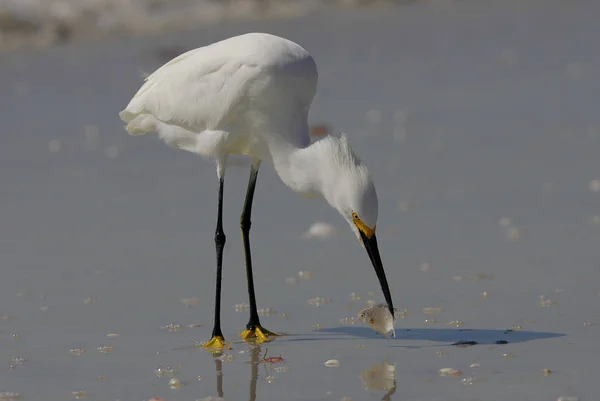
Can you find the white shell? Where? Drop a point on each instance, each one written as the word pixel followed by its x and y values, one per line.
pixel 379 318
pixel 332 363
pixel 450 372
pixel 320 230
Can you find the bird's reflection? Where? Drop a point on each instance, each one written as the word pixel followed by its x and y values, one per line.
pixel 381 377
pixel 255 359
pixel 219 369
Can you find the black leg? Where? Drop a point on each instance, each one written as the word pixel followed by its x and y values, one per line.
pixel 217 334
pixel 219 244
pixel 245 224
pixel 254 330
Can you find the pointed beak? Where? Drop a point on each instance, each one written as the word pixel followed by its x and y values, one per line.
pixel 373 252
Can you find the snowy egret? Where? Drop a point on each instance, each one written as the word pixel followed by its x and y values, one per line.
pixel 250 95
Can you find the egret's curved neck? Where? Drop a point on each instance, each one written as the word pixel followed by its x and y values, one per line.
pixel 317 169
pixel 298 165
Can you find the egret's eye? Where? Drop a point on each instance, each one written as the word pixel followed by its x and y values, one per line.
pixel 354 216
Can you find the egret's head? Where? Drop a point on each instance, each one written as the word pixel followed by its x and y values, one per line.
pixel 353 194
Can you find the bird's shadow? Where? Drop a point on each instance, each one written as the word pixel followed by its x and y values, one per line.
pixel 454 337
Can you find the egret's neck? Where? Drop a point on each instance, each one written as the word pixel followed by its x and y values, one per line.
pixel 313 170
pixel 297 166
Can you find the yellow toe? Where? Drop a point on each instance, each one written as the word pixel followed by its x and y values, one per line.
pixel 215 342
pixel 259 333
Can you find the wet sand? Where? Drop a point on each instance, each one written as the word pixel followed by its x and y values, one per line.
pixel 480 125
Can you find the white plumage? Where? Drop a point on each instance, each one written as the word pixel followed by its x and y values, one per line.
pixel 230 92
pixel 251 95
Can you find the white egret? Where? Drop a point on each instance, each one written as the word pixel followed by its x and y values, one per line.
pixel 250 95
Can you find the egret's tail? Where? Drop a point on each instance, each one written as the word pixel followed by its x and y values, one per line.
pixel 138 124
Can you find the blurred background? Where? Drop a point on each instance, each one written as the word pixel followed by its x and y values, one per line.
pixel 43 22
pixel 478 120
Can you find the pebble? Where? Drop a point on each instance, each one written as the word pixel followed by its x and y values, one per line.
pixel 332 363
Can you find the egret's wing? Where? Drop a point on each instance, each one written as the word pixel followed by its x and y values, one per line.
pixel 199 90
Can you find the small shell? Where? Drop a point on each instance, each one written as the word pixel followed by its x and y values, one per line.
pixel 379 318
pixel 320 230
pixel 432 311
pixel 332 363
pixel 175 383
pixel 450 372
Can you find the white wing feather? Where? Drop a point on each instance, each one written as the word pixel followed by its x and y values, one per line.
pixel 197 91
pixel 243 86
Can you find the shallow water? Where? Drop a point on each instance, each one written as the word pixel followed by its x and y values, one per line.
pixel 469 116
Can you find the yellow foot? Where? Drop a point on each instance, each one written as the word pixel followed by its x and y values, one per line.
pixel 259 333
pixel 217 342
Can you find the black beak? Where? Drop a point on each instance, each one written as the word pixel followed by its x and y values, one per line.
pixel 373 251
